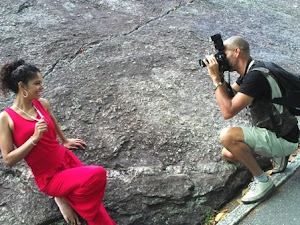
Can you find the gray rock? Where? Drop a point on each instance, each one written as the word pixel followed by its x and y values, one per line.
pixel 124 76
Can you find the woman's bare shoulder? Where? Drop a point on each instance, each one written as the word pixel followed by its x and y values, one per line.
pixel 5 119
pixel 45 103
pixel 3 116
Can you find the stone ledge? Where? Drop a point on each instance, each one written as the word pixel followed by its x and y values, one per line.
pixel 241 211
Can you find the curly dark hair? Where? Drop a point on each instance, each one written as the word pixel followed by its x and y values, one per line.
pixel 11 73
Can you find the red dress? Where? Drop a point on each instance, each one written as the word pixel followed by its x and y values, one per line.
pixel 59 173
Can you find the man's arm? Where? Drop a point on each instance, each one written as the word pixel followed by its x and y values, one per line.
pixel 229 106
pixel 236 88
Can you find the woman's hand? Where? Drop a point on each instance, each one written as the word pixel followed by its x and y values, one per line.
pixel 74 144
pixel 40 128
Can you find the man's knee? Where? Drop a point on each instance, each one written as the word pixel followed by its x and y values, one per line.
pixel 226 135
pixel 230 134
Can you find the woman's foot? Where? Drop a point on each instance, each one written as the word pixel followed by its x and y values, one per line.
pixel 67 211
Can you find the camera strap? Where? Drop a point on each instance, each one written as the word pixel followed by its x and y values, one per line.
pixel 228 85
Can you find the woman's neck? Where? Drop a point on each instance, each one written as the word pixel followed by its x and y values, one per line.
pixel 23 103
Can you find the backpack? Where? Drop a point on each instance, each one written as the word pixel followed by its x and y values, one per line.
pixel 289 84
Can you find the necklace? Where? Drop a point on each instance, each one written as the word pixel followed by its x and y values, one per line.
pixel 32 117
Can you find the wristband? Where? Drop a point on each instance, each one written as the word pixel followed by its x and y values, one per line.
pixel 32 141
pixel 216 85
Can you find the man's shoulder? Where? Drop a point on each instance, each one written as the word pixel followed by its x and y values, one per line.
pixel 255 84
pixel 254 75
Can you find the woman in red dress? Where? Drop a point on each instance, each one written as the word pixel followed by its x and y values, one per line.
pixel 28 130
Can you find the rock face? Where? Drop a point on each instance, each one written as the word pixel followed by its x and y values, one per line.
pixel 124 76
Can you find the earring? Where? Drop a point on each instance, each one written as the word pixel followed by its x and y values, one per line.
pixel 26 93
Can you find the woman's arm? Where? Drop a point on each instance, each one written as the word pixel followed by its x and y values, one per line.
pixel 71 144
pixel 11 155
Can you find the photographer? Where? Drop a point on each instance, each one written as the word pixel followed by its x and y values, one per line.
pixel 275 133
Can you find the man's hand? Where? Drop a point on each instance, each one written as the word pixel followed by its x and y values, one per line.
pixel 213 68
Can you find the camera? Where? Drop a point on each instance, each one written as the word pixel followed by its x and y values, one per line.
pixel 220 55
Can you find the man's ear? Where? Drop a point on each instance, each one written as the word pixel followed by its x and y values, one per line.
pixel 237 52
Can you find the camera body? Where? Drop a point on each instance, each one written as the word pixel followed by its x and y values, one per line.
pixel 220 55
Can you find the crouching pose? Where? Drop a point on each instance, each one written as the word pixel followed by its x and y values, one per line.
pixel 275 133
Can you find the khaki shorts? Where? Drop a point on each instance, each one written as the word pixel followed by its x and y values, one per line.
pixel 266 143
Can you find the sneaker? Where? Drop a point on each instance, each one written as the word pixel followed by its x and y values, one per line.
pixel 258 191
pixel 279 164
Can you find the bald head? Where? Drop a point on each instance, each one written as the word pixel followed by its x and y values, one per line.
pixel 238 42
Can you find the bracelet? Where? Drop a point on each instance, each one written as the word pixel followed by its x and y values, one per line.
pixel 216 85
pixel 32 141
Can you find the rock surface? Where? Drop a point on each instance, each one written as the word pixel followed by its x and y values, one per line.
pixel 124 76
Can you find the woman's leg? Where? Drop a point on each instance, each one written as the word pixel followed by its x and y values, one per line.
pixel 102 218
pixel 83 188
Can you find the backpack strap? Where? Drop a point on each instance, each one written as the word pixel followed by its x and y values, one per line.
pixel 265 67
pixel 290 95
